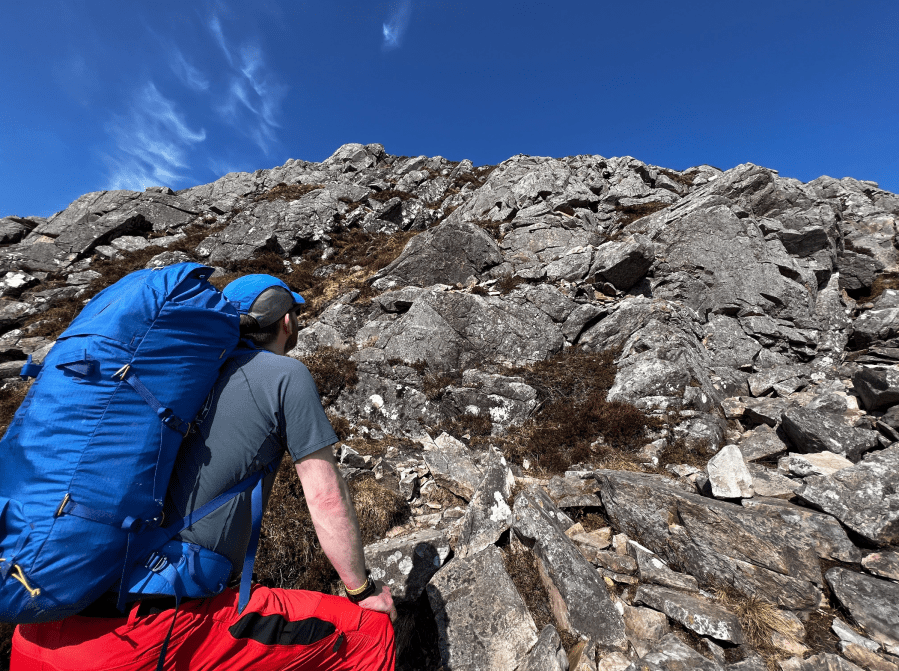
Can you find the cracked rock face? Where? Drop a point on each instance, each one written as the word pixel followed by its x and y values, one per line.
pixel 748 314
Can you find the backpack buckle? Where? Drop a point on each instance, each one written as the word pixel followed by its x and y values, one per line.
pixel 156 562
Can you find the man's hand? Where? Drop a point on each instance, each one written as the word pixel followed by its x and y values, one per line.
pixel 381 602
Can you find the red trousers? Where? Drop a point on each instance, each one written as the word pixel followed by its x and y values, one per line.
pixel 279 629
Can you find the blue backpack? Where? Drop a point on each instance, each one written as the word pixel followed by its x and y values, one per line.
pixel 87 458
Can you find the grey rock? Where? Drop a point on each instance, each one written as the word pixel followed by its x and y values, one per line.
pixel 623 263
pixel 406 563
pixel 873 602
pixel 864 497
pixel 482 622
pixel 760 443
pixel 694 612
pixel 616 563
pixel 714 541
pixel 819 531
pixel 13 313
pixel 451 330
pixel 672 654
pixel 13 229
pixel 875 326
pixel 866 659
pixel 767 482
pixel 579 318
pixel 452 466
pixel 399 300
pixel 820 463
pixel 644 626
pixel 848 635
pixel 753 662
pixel 765 410
pixel 762 382
pixel 857 271
pixel 821 662
pixel 550 300
pixel 167 259
pixel 488 514
pixel 884 564
pixel 547 653
pixel 877 387
pixel 14 283
pixel 576 491
pixel 728 476
pixel 278 225
pixel 451 253
pixel 816 431
pixel 578 596
pixel 728 344
pixel 654 570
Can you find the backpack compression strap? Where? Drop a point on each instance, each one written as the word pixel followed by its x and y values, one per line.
pixel 165 414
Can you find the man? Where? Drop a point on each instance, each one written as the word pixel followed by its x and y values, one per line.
pixel 262 404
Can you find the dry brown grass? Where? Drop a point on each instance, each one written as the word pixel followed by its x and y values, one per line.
pixel 759 621
pixel 11 397
pixel 679 452
pixel 387 194
pixel 284 191
pixel 630 213
pixel 888 280
pixel 289 552
pixel 677 177
pixel 574 414
pixel 507 283
pixel 521 565
pixel 333 371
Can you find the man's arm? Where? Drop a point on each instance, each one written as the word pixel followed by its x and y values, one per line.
pixel 336 525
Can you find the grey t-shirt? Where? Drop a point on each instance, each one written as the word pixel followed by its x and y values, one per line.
pixel 261 405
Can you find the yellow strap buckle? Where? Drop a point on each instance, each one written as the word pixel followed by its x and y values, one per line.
pixel 19 575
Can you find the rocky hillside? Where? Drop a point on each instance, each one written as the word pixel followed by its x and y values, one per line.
pixel 598 414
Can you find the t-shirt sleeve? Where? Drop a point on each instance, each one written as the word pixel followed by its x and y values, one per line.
pixel 306 427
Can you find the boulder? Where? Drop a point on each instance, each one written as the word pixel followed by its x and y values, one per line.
pixel 715 541
pixel 864 497
pixel 488 514
pixel 822 662
pixel 817 431
pixel 866 659
pixel 760 443
pixel 454 331
pixel 873 602
pixel 406 563
pixel 653 570
pixel 875 326
pixel 857 271
pixel 482 621
pixel 452 466
pixel 820 463
pixel 767 482
pixel 884 564
pixel 728 476
pixel 817 530
pixel 877 387
pixel 623 263
pixel 547 653
pixel 579 598
pixel 672 654
pixel 450 253
pixel 693 612
pixel 644 626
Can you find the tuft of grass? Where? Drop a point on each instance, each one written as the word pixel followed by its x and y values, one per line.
pixel 289 552
pixel 521 565
pixel 574 414
pixel 759 621
pixel 284 191
pixel 884 281
pixel 11 397
pixel 434 384
pixel 679 452
pixel 678 177
pixel 333 371
pixel 630 213
pixel 479 427
pixel 508 283
pixel 387 194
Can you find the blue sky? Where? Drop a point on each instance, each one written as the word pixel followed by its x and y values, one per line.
pixel 101 95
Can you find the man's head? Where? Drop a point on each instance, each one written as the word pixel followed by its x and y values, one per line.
pixel 267 308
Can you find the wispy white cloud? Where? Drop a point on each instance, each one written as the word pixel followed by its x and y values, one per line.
pixel 216 27
pixel 153 140
pixel 254 95
pixel 190 76
pixel 397 23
